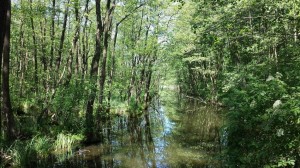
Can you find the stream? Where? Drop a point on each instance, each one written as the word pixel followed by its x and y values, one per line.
pixel 182 133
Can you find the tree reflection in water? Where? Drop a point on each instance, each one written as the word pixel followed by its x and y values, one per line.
pixel 170 134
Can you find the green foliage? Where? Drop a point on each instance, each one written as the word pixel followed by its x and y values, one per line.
pixel 263 124
pixel 244 55
pixel 52 80
pixel 67 105
pixel 34 152
pixel 135 108
pixel 27 153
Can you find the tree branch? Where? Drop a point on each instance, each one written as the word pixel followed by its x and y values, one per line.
pixel 126 16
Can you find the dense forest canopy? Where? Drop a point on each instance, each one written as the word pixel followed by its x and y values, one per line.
pixel 68 67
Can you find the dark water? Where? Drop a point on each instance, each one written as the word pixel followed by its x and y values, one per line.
pixel 181 133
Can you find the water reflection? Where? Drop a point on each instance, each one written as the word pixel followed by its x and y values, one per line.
pixel 172 134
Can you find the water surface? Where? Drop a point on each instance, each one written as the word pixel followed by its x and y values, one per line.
pixel 182 133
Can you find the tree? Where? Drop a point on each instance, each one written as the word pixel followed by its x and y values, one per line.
pixel 102 37
pixel 2 33
pixel 6 106
pixel 244 57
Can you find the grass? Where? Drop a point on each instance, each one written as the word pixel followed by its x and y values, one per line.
pixel 66 142
pixel 28 153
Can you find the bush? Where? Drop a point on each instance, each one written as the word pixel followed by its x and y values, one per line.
pixel 263 123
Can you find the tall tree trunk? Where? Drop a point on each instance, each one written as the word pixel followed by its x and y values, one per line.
pixel 134 61
pixel 113 59
pixel 107 27
pixel 2 33
pixel 147 96
pixel 62 38
pixel 2 26
pixel 106 33
pixel 112 66
pixel 73 51
pixel 93 75
pixel 6 107
pixel 84 42
pixel 85 51
pixel 143 73
pixel 132 78
pixel 22 56
pixel 35 50
pixel 45 66
pixel 52 35
pixel 43 44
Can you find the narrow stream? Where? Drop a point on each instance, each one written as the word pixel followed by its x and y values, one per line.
pixel 183 133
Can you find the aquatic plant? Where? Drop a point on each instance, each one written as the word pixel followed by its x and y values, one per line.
pixel 66 142
pixel 27 153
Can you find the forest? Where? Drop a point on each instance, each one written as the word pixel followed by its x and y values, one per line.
pixel 150 83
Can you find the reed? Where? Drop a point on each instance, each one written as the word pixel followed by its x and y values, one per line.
pixel 66 142
pixel 27 153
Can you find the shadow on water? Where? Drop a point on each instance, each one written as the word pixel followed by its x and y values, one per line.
pixel 174 133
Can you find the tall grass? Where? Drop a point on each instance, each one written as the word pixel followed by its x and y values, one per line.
pixel 32 153
pixel 66 142
pixel 64 145
pixel 27 153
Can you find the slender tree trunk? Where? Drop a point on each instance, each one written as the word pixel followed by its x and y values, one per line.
pixel 73 51
pixel 35 50
pixel 93 76
pixel 44 61
pixel 145 58
pixel 43 44
pixel 62 37
pixel 6 107
pixel 84 52
pixel 112 68
pixel 22 56
pixel 147 97
pixel 52 33
pixel 134 39
pixel 52 38
pixel 107 27
pixel 113 59
pixel 132 79
pixel 84 41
